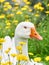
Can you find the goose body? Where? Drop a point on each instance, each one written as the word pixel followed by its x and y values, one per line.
pixel 23 32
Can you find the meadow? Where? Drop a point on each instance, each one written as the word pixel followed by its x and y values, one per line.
pixel 12 14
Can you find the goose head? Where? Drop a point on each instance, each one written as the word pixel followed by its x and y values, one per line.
pixel 27 30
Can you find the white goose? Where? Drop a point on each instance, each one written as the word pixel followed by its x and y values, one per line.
pixel 23 31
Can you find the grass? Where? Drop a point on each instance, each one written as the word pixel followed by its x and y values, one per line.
pixel 11 16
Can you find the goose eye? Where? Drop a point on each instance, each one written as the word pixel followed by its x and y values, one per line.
pixel 25 27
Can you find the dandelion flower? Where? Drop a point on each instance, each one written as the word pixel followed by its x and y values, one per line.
pixel 37 15
pixel 47 12
pixel 25 1
pixel 2 40
pixel 6 3
pixel 22 43
pixel 8 23
pixel 26 16
pixel 23 8
pixel 7 27
pixel 47 4
pixel 19 12
pixel 30 53
pixel 2 16
pixel 3 63
pixel 47 58
pixel 37 59
pixel 28 2
pixel 0 47
pixel 10 15
pixel 30 10
pixel 1 1
pixel 21 57
pixel 7 63
pixel 5 9
pixel 13 55
pixel 8 50
pixel 0 57
pixel 19 48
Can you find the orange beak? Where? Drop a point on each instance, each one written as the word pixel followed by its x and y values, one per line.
pixel 34 34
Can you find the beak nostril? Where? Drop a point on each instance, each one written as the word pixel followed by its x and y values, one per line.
pixel 35 34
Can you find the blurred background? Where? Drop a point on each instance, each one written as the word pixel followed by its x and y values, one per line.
pixel 37 11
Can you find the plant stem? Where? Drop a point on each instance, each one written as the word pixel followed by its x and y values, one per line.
pixel 9 58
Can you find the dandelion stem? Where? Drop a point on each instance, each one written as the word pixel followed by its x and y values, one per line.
pixel 9 58
pixel 0 62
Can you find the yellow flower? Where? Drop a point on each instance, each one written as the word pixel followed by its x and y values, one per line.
pixel 37 59
pixel 38 6
pixel 15 22
pixel 6 3
pixel 10 15
pixel 7 27
pixel 15 8
pixel 25 1
pixel 8 24
pixel 27 20
pixel 13 55
pixel 7 21
pixel 19 48
pixel 2 16
pixel 8 50
pixel 5 9
pixel 2 40
pixel 23 8
pixel 1 1
pixel 0 57
pixel 9 6
pixel 21 57
pixel 26 6
pixel 8 63
pixel 47 58
pixel 19 12
pixel 37 15
pixel 0 47
pixel 16 4
pixel 22 43
pixel 47 4
pixel 3 63
pixel 41 8
pixel 26 16
pixel 30 53
pixel 28 2
pixel 39 3
pixel 30 10
pixel 47 12
pixel 35 6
